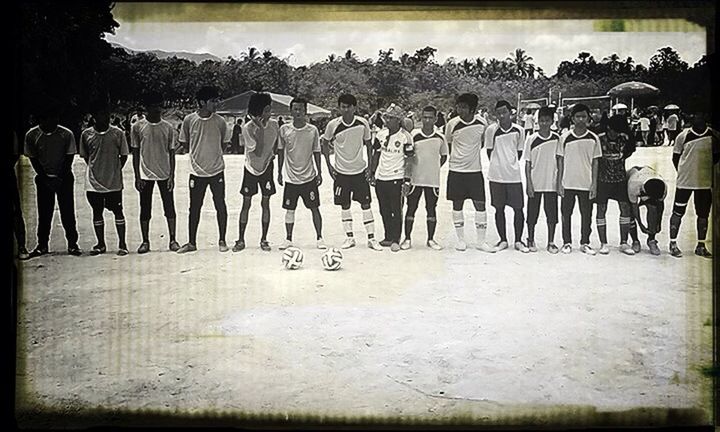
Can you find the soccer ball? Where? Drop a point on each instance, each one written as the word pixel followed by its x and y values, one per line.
pixel 332 259
pixel 292 258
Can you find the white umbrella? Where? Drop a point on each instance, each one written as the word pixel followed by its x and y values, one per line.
pixel 672 107
pixel 619 106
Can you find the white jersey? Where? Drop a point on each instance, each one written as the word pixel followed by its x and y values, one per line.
pixel 636 178
pixel 349 143
pixel 696 152
pixel 465 139
pixel 540 153
pixel 391 165
pixel 505 145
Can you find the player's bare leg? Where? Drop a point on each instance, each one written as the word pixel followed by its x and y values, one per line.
pixel 242 224
pixel 369 223
pixel 317 223
pixel 289 224
pixel 265 203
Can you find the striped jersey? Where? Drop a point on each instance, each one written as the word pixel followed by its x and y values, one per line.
pixel 348 140
pixel 578 153
pixel 465 139
pixel 540 153
pixel 696 152
pixel 505 145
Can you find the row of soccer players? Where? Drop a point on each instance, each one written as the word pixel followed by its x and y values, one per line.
pixel 579 165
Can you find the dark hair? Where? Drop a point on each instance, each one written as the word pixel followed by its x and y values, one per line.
pixel 300 101
pixel 153 98
pixel 257 103
pixel 579 108
pixel 48 108
pixel 546 112
pixel 468 99
pixel 205 93
pixel 655 188
pixel 347 99
pixel 99 106
pixel 617 123
pixel 430 108
pixel 504 103
pixel 440 120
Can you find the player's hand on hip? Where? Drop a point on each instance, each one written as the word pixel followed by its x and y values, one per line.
pixel 280 179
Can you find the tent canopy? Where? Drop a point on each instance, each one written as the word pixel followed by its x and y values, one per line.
pixel 633 88
pixel 237 105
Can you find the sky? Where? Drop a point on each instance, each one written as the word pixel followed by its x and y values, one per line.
pixel 548 42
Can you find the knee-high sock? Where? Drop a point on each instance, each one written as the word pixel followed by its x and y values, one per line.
pixel 480 225
pixel 702 227
pixel 99 226
pixel 369 223
pixel 120 226
pixel 519 222
pixel 346 216
pixel 674 226
pixel 289 223
pixel 459 222
pixel 625 228
pixel 500 223
pixel 602 229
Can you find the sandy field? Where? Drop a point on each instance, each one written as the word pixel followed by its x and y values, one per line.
pixel 415 336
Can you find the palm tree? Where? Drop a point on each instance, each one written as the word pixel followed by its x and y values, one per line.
pixel 494 68
pixel 467 66
pixel 251 54
pixel 350 55
pixel 613 63
pixel 519 63
pixel 333 58
pixel 480 64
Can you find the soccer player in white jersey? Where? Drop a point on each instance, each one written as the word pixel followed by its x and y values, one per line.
pixel 578 153
pixel 348 135
pixel 646 188
pixel 299 145
pixel 392 145
pixel 694 150
pixel 261 136
pixel 464 136
pixel 206 133
pixel 431 153
pixel 152 142
pixel 505 142
pixel 105 150
pixel 541 176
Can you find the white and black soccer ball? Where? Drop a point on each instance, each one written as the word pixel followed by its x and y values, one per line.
pixel 332 259
pixel 292 258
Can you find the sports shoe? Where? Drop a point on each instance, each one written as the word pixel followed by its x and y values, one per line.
pixel 23 254
pixel 432 244
pixel 567 248
pixel 395 247
pixel 702 251
pixel 586 249
pixel 486 248
pixel 626 249
pixel 501 245
pixel 348 243
pixel 531 245
pixel 520 246
pixel 239 245
pixel 321 244
pixel 552 248
pixel 174 246
pixel 187 247
pixel 604 249
pixel 285 244
pixel 674 250
pixel 374 245
pixel 222 246
pixel 406 244
pixel 385 243
pixel 144 248
pixel 98 250
pixel 461 245
pixel 122 251
pixel 264 245
pixel 75 250
pixel 636 246
pixel 653 246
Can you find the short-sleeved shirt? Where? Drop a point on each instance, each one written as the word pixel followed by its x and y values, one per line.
pixel 611 167
pixel 425 165
pixel 672 122
pixel 50 149
pixel 540 153
pixel 637 176
pixel 156 142
pixel 578 153
pixel 696 155
pixel 256 164
pixel 298 146
pixel 205 137
pixel 505 145
pixel 465 139
pixel 528 121
pixel 102 151
pixel 644 124
pixel 391 165
pixel 349 143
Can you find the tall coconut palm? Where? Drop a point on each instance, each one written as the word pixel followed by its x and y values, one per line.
pixel 519 63
pixel 251 54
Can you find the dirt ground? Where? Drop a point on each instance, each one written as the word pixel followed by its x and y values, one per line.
pixel 420 334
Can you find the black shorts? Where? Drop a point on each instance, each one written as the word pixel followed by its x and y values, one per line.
pixel 702 201
pixel 105 200
pixel 431 196
pixel 265 182
pixel 465 185
pixel 308 191
pixel 507 194
pixel 612 191
pixel 351 187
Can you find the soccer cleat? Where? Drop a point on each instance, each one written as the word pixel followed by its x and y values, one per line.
pixel 520 246
pixel 461 245
pixel 432 244
pixel 187 247
pixel 586 249
pixel 285 244
pixel 122 251
pixel 501 245
pixel 23 254
pixel 348 243
pixel 486 248
pixel 653 246
pixel 626 249
pixel 531 246
pixel 98 250
pixel 567 248
pixel 74 251
pixel 395 247
pixel 38 251
pixel 144 248
pixel 239 245
pixel 374 245
pixel 321 244
pixel 222 246
pixel 702 251
pixel 174 246
pixel 552 248
pixel 385 243
pixel 636 246
pixel 264 245
pixel 604 249
pixel 674 250
pixel 406 244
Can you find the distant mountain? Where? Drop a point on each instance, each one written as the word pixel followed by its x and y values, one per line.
pixel 197 58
